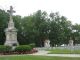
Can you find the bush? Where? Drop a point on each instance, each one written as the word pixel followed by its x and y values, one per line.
pixel 5 48
pixel 23 48
pixel 32 45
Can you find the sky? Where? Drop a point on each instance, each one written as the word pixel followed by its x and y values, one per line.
pixel 67 8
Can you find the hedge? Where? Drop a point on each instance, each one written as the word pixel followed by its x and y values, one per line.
pixel 23 48
pixel 5 48
pixel 32 45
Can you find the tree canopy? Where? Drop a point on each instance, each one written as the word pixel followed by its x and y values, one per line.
pixel 39 26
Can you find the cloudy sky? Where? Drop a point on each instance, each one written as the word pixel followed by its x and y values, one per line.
pixel 68 8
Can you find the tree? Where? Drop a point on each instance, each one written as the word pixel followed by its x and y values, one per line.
pixel 76 33
pixel 39 26
pixel 60 29
pixel 35 28
pixel 4 17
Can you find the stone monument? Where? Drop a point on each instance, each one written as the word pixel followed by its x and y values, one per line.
pixel 71 42
pixel 11 31
pixel 47 43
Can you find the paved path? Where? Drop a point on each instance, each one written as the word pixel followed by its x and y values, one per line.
pixel 45 53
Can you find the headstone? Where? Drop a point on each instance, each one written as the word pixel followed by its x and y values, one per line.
pixel 47 43
pixel 71 42
pixel 11 31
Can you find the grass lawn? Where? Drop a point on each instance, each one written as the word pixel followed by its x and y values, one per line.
pixel 64 51
pixel 27 57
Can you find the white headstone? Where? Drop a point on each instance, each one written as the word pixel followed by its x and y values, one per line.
pixel 47 43
pixel 71 42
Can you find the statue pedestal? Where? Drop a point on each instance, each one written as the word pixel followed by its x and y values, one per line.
pixel 11 37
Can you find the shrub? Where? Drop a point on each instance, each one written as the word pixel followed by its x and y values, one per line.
pixel 23 48
pixel 32 45
pixel 4 48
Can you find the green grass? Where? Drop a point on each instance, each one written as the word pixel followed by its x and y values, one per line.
pixel 64 51
pixel 27 57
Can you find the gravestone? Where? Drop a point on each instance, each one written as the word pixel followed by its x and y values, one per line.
pixel 47 43
pixel 71 42
pixel 11 31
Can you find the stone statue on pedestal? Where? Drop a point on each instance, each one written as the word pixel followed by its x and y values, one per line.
pixel 11 31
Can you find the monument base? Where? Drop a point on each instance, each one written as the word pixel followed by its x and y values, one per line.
pixel 11 43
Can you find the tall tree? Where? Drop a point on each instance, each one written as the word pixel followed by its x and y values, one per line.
pixel 59 29
pixel 4 17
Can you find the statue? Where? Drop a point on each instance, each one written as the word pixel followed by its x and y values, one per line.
pixel 11 31
pixel 47 43
pixel 70 42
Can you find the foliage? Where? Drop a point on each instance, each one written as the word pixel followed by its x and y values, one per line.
pixel 76 33
pixel 32 45
pixel 39 26
pixel 5 48
pixel 23 48
pixel 4 17
pixel 60 29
